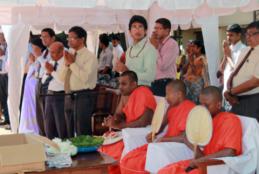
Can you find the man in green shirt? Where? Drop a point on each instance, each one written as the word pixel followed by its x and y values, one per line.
pixel 141 56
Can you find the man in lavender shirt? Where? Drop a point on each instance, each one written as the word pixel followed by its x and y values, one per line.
pixel 168 52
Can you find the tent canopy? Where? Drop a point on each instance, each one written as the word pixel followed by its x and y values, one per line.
pixel 114 13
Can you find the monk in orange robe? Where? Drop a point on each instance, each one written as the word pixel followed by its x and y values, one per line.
pixel 226 138
pixel 135 109
pixel 179 108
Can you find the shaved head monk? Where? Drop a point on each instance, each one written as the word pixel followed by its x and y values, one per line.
pixel 175 118
pixel 226 138
pixel 135 109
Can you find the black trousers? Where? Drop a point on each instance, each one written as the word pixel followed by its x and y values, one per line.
pixel 248 106
pixel 158 86
pixel 54 118
pixel 79 107
pixel 4 95
pixel 40 102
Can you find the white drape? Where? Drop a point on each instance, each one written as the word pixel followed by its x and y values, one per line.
pixel 17 37
pixel 210 33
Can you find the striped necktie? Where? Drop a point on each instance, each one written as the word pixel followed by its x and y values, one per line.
pixel 235 72
pixel 46 53
pixel 67 79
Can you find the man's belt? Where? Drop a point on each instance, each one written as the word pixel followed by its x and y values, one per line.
pixel 240 97
pixel 55 92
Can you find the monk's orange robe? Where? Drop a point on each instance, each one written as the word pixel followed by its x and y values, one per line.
pixel 139 100
pixel 135 160
pixel 227 133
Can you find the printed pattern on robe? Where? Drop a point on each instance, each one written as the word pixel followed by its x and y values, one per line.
pixel 227 133
pixel 140 99
pixel 135 160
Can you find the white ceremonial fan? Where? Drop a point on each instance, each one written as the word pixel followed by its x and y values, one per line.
pixel 158 117
pixel 199 127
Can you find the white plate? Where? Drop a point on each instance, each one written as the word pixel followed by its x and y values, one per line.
pixel 110 140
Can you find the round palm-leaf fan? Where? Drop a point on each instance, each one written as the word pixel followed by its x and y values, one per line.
pixel 158 117
pixel 199 126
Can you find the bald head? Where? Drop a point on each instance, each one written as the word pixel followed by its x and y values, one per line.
pixel 56 50
pixel 57 46
pixel 211 98
pixel 213 92
pixel 175 92
pixel 177 85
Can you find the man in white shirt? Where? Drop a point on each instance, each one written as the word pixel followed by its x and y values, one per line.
pixel 54 119
pixel 105 58
pixel 117 50
pixel 47 38
pixel 243 83
pixel 79 74
pixel 232 49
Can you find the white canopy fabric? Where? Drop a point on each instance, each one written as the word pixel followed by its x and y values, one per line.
pixel 244 5
pixel 19 16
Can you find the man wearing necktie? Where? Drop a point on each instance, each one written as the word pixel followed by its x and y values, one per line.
pixel 47 38
pixel 243 83
pixel 79 74
pixel 54 119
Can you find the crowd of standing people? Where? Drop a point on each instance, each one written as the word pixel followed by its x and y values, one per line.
pixel 59 92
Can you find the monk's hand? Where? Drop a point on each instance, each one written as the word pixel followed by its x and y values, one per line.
pixel 184 139
pixel 192 165
pixel 149 137
pixel 107 121
pixel 120 67
pixel 163 139
pixel 69 58
pixel 112 122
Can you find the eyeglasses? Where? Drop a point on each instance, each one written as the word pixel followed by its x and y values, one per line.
pixel 252 34
pixel 72 38
pixel 44 37
pixel 133 27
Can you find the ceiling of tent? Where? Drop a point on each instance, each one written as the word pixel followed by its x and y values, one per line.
pixel 114 15
pixel 141 4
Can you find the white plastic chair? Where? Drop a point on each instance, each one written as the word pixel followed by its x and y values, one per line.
pixel 248 162
pixel 136 137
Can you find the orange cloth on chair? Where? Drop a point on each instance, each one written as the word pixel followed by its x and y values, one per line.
pixel 135 160
pixel 139 100
pixel 227 133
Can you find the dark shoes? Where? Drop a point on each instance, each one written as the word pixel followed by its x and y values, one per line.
pixel 7 127
pixel 4 123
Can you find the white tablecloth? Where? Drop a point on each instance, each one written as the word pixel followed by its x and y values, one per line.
pixel 160 155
